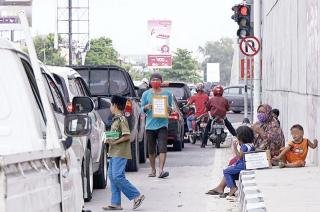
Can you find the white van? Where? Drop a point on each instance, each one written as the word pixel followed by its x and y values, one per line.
pixel 38 170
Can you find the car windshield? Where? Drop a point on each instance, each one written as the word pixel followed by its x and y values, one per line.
pixel 101 83
pixel 177 92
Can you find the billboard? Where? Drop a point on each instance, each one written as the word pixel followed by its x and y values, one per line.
pixel 159 55
pixel 213 72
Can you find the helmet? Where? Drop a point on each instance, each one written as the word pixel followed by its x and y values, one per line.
pixel 218 90
pixel 199 87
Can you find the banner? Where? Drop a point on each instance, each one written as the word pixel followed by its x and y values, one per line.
pixel 159 36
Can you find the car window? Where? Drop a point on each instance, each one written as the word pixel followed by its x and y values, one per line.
pixel 231 90
pixel 55 96
pixel 98 82
pixel 82 85
pixel 73 88
pixel 242 90
pixel 179 93
pixel 79 87
pixel 34 87
pixel 85 75
pixel 118 82
pixel 62 86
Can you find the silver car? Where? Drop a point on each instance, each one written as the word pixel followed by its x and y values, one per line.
pixel 235 96
pixel 90 149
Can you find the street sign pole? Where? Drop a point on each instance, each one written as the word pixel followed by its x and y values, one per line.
pixel 245 68
pixel 251 89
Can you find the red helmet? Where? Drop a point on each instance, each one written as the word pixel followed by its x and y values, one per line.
pixel 218 90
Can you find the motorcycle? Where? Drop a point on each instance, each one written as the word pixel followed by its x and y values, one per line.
pixel 200 126
pixel 217 133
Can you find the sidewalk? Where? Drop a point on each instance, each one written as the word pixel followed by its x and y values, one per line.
pixel 293 190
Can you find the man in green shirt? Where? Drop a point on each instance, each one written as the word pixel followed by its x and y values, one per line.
pixel 120 152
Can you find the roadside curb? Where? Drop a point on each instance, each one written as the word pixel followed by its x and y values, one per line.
pixel 250 196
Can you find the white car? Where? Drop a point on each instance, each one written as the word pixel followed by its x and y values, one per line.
pixel 89 149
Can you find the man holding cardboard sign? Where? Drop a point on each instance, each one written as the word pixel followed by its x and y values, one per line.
pixel 156 103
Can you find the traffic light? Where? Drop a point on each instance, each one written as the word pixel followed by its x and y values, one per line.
pixel 242 17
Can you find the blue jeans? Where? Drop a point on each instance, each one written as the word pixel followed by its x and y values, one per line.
pixel 118 181
pixel 231 173
pixel 189 122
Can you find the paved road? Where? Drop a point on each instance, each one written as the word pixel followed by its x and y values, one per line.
pixel 192 172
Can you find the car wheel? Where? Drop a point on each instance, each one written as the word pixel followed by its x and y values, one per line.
pixel 142 149
pixel 100 177
pixel 133 164
pixel 236 111
pixel 177 145
pixel 87 176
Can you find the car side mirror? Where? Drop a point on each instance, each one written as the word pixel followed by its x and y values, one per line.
pixel 103 103
pixel 76 125
pixel 82 104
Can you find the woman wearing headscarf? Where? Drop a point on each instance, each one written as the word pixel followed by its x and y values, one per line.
pixel 268 134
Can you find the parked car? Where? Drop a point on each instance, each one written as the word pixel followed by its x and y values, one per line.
pixel 39 171
pixel 176 127
pixel 182 93
pixel 90 149
pixel 107 80
pixel 235 96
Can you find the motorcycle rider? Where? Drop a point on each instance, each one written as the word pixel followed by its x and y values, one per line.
pixel 217 107
pixel 200 100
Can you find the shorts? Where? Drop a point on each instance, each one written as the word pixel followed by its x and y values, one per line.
pixel 159 136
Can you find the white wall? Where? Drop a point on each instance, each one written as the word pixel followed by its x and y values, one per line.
pixel 290 63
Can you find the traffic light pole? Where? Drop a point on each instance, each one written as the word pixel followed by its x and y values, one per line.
pixel 245 69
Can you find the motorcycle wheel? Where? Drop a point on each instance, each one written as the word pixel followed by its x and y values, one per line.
pixel 192 139
pixel 218 141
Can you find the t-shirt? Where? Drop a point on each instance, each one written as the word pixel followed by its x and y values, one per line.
pixel 151 122
pixel 200 100
pixel 218 106
pixel 245 148
pixel 298 151
pixel 122 150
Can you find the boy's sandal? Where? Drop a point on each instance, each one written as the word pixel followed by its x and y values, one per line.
pixel 224 195
pixel 138 202
pixel 213 192
pixel 112 208
pixel 163 174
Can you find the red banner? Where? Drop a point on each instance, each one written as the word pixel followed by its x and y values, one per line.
pixel 250 63
pixel 156 61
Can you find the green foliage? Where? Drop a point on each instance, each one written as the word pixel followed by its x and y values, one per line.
pixel 101 52
pixel 220 51
pixel 46 52
pixel 184 68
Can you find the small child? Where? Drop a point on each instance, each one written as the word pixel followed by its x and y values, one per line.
pixel 120 152
pixel 245 138
pixel 275 114
pixel 294 155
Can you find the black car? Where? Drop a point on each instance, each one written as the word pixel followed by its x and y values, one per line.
pixel 107 80
pixel 176 127
pixel 182 93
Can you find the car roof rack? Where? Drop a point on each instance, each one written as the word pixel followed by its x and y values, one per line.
pixel 19 22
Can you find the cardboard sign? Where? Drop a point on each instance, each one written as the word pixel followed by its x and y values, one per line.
pixel 160 106
pixel 258 160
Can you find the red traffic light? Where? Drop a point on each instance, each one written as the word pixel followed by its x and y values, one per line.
pixel 244 10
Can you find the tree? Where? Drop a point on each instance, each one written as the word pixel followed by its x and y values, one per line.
pixel 46 52
pixel 184 67
pixel 220 51
pixel 101 52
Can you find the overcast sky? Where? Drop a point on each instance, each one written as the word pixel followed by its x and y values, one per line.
pixel 125 21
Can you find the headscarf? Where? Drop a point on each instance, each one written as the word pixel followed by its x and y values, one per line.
pixel 272 137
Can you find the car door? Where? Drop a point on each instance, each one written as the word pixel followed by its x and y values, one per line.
pixel 97 127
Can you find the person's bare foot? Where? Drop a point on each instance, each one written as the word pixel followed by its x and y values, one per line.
pixel 232 191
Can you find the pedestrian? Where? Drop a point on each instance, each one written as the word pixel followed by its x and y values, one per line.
pixel 245 138
pixel 156 127
pixel 268 134
pixel 217 107
pixel 275 114
pixel 294 155
pixel 120 152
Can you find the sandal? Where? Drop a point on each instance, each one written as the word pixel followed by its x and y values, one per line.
pixel 152 174
pixel 138 202
pixel 224 195
pixel 112 208
pixel 213 192
pixel 163 174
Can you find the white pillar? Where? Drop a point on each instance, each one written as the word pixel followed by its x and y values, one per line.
pixel 257 59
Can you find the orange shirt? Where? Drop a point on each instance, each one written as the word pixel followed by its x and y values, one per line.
pixel 298 152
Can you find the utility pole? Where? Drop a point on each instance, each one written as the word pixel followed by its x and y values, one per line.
pixel 70 30
pixel 257 59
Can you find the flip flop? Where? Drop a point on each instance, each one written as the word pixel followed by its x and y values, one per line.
pixel 153 174
pixel 213 192
pixel 112 208
pixel 137 203
pixel 163 174
pixel 224 195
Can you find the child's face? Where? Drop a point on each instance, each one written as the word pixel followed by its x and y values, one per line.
pixel 274 115
pixel 113 108
pixel 297 134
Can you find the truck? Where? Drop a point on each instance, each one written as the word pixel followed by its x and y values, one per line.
pixel 38 169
